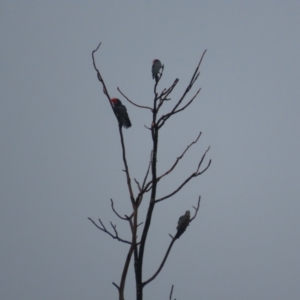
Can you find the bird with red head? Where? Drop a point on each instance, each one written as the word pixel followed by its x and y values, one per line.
pixel 121 112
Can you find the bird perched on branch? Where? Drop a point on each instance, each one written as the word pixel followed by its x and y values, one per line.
pixel 183 223
pixel 121 113
pixel 156 66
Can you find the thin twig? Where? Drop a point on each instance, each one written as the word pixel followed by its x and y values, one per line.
pixel 162 263
pixel 140 106
pixel 126 166
pixel 103 228
pixel 116 286
pixel 100 78
pixel 196 209
pixel 195 76
pixel 138 184
pixel 113 209
pixel 180 157
pixel 163 119
pixel 170 298
pixel 195 174
pixel 146 176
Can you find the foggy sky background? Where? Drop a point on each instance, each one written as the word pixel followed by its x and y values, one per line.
pixel 61 156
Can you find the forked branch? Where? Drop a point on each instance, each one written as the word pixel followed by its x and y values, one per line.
pixel 195 174
pixel 113 209
pixel 195 76
pixel 180 157
pixel 114 236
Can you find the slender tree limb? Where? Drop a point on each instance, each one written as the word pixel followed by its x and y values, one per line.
pixel 163 118
pixel 139 262
pixel 192 81
pixel 126 166
pixel 113 209
pixel 195 174
pixel 148 186
pixel 133 243
pixel 125 271
pixel 183 184
pixel 147 173
pixel 103 228
pixel 196 209
pixel 185 106
pixel 138 184
pixel 200 163
pixel 142 190
pixel 137 105
pixel 180 157
pixel 165 93
pixel 100 78
pixel 170 298
pixel 162 263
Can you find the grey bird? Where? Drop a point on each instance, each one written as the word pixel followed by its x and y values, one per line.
pixel 156 66
pixel 183 223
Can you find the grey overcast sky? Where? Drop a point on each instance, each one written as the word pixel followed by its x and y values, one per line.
pixel 61 160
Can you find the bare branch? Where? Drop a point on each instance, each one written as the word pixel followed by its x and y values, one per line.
pixel 125 271
pixel 140 106
pixel 165 93
pixel 162 263
pixel 118 288
pixel 138 184
pixel 196 209
pixel 163 119
pixel 100 78
pixel 195 76
pixel 147 173
pixel 113 209
pixel 195 174
pixel 201 161
pixel 180 157
pixel 184 107
pixel 142 189
pixel 103 228
pixel 126 166
pixel 170 298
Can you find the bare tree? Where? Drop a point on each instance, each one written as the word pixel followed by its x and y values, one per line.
pixel 150 181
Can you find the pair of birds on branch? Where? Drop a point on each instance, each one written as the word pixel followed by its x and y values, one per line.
pixel 121 110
